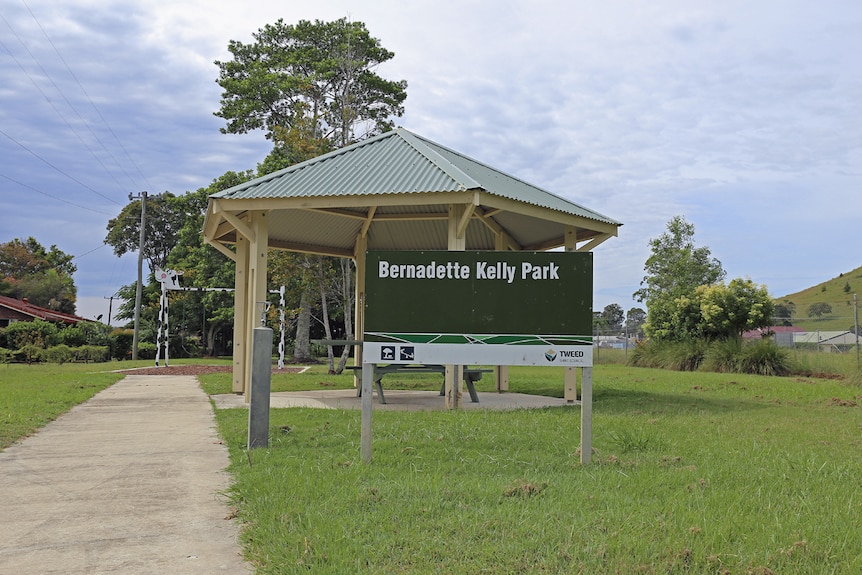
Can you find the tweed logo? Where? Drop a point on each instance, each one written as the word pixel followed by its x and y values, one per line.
pixel 550 355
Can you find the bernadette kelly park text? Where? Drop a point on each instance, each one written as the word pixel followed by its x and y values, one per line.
pixel 478 308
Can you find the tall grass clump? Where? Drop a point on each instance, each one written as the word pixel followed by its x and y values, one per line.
pixel 724 356
pixel 676 355
pixel 764 357
pixel 731 355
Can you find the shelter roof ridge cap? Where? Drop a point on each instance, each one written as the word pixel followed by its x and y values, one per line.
pixel 421 145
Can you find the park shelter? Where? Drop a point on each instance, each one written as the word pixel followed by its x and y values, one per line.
pixel 395 191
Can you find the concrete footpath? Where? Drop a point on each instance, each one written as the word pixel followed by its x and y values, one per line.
pixel 129 482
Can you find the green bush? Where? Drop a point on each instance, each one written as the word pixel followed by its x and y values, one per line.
pixel 146 350
pixel 120 342
pixel 57 354
pixel 724 356
pixel 676 355
pixel 6 355
pixel 29 353
pixel 37 333
pixel 74 336
pixel 85 333
pixel 92 353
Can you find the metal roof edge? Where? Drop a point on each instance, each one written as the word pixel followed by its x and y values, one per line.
pixel 301 165
pixel 524 182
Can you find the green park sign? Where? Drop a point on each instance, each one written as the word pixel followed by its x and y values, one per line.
pixel 479 308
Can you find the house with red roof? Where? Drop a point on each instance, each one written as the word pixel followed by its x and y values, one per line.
pixel 12 310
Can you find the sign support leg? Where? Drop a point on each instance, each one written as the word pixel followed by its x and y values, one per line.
pixel 454 375
pixel 365 439
pixel 586 415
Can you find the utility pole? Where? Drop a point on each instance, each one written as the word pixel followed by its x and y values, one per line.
pixel 856 326
pixel 140 287
pixel 110 306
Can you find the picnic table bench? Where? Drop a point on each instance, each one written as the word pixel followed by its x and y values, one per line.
pixel 471 375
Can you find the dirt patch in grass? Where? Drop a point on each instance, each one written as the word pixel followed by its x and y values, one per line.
pixel 838 402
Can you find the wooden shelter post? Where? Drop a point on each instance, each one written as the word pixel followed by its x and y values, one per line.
pixel 239 319
pixel 257 292
pixel 501 372
pixel 359 313
pixel 252 245
pixel 459 216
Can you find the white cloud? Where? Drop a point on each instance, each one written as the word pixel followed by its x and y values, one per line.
pixel 742 116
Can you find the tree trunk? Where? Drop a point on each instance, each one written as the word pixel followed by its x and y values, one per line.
pixel 302 348
pixel 211 339
pixel 321 284
pixel 347 304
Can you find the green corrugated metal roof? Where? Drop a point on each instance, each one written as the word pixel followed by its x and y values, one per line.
pixel 399 162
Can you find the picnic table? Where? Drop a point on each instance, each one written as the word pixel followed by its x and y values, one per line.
pixel 471 375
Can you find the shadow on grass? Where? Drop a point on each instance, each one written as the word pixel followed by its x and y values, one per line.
pixel 628 401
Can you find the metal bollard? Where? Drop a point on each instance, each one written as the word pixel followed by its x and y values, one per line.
pixel 261 376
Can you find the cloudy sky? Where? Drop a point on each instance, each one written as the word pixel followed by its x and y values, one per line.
pixel 741 115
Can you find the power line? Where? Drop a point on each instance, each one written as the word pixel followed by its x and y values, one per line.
pixel 51 103
pixel 79 256
pixel 95 108
pixel 29 187
pixel 74 179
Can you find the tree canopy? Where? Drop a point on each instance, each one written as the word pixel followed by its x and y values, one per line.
pixel 311 87
pixel 712 312
pixel 43 276
pixel 685 294
pixel 319 71
pixel 167 215
pixel 675 265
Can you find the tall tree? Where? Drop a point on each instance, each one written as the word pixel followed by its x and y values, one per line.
pixel 166 216
pixel 43 276
pixel 321 71
pixel 676 266
pixel 674 270
pixel 311 87
pixel 635 318
pixel 613 317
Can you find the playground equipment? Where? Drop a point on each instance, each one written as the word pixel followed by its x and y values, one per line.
pixel 169 280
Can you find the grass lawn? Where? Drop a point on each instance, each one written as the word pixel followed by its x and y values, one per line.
pixel 693 473
pixel 33 395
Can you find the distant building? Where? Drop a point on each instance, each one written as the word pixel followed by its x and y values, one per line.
pixel 12 310
pixel 613 341
pixel 826 340
pixel 782 335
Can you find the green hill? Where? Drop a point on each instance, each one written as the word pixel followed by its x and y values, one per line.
pixel 837 293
